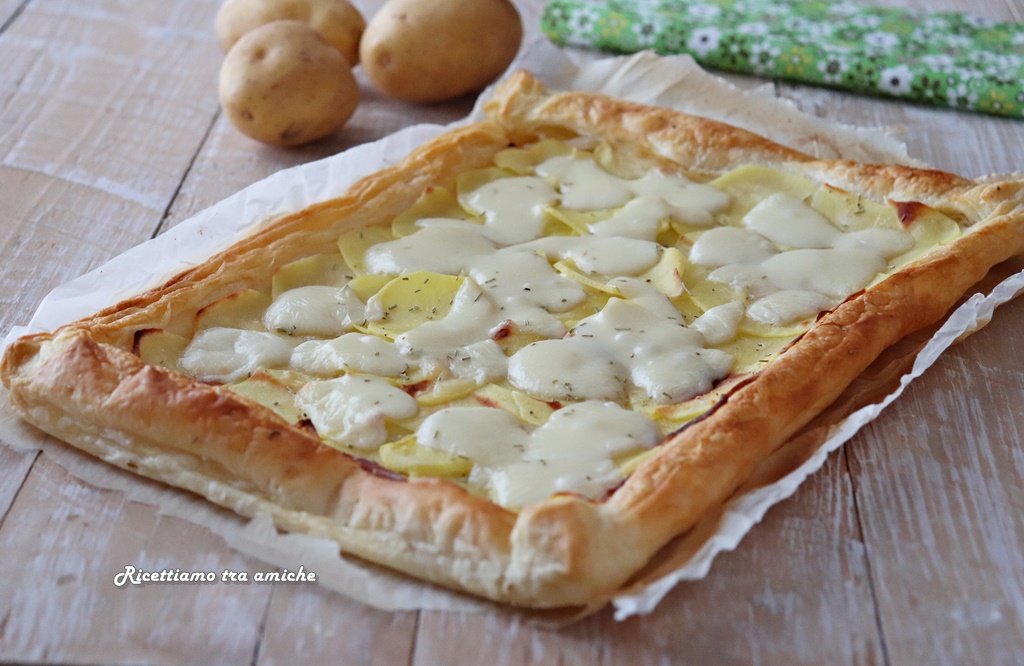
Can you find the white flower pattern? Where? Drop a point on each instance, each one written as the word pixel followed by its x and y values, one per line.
pixel 945 58
pixel 704 40
pixel 895 80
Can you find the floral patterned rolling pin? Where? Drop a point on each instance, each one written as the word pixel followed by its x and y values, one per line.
pixel 929 57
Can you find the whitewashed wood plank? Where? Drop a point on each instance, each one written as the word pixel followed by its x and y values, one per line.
pixel 102 107
pixel 113 95
pixel 325 627
pixel 940 489
pixel 63 543
pixel 9 10
pixel 100 116
pixel 52 231
pixel 14 467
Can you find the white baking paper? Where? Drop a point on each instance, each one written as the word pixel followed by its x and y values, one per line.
pixel 667 81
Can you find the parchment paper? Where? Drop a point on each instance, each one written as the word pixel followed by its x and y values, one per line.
pixel 672 81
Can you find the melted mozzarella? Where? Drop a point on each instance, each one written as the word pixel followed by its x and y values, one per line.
pixel 572 452
pixel 529 482
pixel 719 324
pixel 730 245
pixel 789 221
pixel 826 266
pixel 575 368
pixel 626 343
pixel 513 208
pixel 472 316
pixel 600 254
pixel 489 437
pixel 527 290
pixel 833 273
pixel 887 243
pixel 481 361
pixel 230 354
pixel 640 218
pixel 352 352
pixel 789 305
pixel 315 310
pixel 438 248
pixel 354 410
pixel 692 202
pixel 570 433
pixel 583 185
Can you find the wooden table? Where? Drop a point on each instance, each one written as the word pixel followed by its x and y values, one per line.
pixel 907 548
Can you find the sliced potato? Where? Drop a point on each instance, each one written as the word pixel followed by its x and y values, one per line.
pixel 410 300
pixel 407 457
pixel 750 184
pixel 320 269
pixel 521 161
pixel 158 347
pixel 365 286
pixel 243 309
pixel 354 244
pixel 519 404
pixel 267 390
pixel 434 202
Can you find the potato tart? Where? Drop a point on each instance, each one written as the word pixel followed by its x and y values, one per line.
pixel 525 358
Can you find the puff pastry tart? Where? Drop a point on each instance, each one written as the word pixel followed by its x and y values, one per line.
pixel 525 358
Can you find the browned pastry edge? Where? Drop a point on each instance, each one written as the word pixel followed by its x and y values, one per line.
pixel 82 383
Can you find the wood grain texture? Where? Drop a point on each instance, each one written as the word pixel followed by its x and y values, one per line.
pixel 943 505
pixel 94 101
pixel 14 467
pixel 325 627
pixel 58 601
pixel 8 10
pixel 96 131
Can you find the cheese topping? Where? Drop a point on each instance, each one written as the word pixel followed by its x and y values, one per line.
pixel 584 185
pixel 821 268
pixel 470 320
pixel 354 410
pixel 314 310
pixel 438 248
pixel 351 352
pixel 720 324
pixel 539 361
pixel 572 452
pixel 640 219
pixel 226 355
pixel 624 345
pixel 513 208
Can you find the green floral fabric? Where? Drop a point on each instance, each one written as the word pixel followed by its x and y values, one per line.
pixel 940 58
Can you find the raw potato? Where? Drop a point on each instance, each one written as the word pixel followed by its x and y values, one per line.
pixel 338 21
pixel 428 51
pixel 283 84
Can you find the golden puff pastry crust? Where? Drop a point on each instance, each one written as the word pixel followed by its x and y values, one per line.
pixel 83 383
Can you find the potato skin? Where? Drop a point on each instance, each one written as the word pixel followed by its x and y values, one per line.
pixel 283 84
pixel 431 50
pixel 338 21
